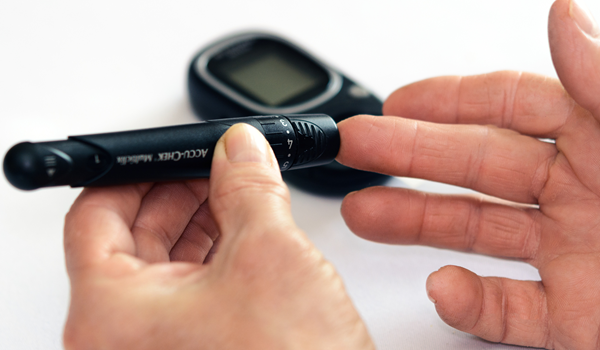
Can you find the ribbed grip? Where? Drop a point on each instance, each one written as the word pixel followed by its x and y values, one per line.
pixel 312 142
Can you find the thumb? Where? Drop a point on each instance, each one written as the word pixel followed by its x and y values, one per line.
pixel 575 46
pixel 248 198
pixel 274 281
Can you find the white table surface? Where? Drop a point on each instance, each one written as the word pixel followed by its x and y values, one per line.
pixel 72 67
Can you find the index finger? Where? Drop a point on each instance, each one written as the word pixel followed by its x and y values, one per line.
pixel 495 161
pixel 99 222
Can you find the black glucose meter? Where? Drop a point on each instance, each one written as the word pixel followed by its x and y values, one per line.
pixel 259 73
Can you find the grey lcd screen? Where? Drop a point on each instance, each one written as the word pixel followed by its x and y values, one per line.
pixel 272 79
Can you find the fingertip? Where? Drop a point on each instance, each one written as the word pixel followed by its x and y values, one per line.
pixel 347 201
pixel 244 143
pixel 350 130
pixel 355 121
pixel 431 287
pixel 398 103
pixel 243 160
pixel 385 215
pixel 345 123
pixel 359 210
pixel 457 294
pixel 425 99
pixel 349 207
pixel 390 102
pixel 575 47
pixel 495 309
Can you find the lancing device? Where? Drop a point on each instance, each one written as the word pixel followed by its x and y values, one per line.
pixel 164 154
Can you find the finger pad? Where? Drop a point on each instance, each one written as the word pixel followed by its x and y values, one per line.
pixel 384 215
pixel 432 99
pixel 575 56
pixel 458 294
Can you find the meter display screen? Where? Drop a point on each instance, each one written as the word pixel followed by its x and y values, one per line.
pixel 270 73
pixel 272 79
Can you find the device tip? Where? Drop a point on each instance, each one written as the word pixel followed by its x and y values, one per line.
pixel 22 167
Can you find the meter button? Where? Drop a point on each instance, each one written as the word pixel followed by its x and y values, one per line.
pixel 358 92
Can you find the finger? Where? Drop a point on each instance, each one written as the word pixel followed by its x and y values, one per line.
pixel 164 214
pixel 98 225
pixel 249 201
pixel 575 46
pixel 495 309
pixel 466 223
pixel 494 161
pixel 528 103
pixel 245 171
pixel 197 239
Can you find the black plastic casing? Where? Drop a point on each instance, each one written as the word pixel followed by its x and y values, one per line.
pixel 351 99
pixel 164 154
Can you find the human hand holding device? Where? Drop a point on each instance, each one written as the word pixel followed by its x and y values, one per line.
pixel 135 258
pixel 495 150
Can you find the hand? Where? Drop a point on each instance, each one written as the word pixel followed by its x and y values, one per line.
pixel 135 258
pixel 543 199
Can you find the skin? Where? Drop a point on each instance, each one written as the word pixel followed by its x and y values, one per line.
pixel 142 262
pixel 138 259
pixel 540 201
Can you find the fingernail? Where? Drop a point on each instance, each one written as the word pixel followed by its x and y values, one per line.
pixel 430 298
pixel 429 295
pixel 428 287
pixel 243 143
pixel 584 19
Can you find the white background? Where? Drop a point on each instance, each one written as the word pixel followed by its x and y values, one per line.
pixel 75 67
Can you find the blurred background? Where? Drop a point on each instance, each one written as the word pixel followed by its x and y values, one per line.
pixel 72 67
